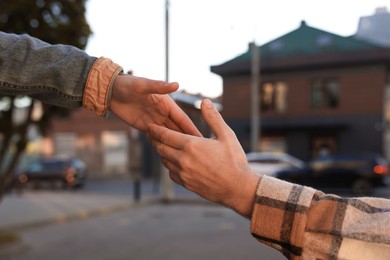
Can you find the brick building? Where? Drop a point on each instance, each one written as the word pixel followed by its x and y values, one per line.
pixel 318 91
pixel 104 144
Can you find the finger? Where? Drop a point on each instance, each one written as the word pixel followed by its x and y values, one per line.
pixel 171 125
pixel 171 166
pixel 173 171
pixel 150 86
pixel 181 120
pixel 166 152
pixel 177 119
pixel 214 119
pixel 175 178
pixel 168 137
pixel 161 87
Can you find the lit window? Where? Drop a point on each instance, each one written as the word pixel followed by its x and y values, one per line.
pixel 324 93
pixel 274 96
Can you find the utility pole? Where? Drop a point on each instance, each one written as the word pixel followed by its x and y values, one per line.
pixel 255 96
pixel 386 121
pixel 167 185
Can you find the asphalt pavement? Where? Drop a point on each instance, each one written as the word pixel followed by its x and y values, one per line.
pixel 102 221
pixel 156 231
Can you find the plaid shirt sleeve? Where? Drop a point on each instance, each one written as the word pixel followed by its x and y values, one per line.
pixel 304 223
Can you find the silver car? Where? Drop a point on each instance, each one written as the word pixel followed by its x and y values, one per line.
pixel 268 163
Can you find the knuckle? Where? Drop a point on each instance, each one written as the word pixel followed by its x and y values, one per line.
pixel 189 146
pixel 185 163
pixel 160 149
pixel 165 163
pixel 164 137
pixel 181 162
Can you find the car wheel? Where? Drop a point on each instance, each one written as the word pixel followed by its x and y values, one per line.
pixel 57 184
pixel 79 185
pixel 64 185
pixel 36 185
pixel 362 187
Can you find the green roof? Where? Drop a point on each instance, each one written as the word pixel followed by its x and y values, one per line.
pixel 307 40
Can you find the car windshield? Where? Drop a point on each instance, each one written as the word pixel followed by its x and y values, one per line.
pixel 54 165
pixel 35 167
pixel 78 164
pixel 47 165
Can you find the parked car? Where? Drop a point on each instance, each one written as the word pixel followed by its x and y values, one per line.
pixel 268 163
pixel 66 172
pixel 358 172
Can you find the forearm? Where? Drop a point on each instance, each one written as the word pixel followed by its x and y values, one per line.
pixel 54 74
pixel 304 223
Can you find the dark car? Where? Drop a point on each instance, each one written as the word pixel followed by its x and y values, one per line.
pixel 358 172
pixel 66 172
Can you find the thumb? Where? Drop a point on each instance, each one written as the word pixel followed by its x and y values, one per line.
pixel 214 119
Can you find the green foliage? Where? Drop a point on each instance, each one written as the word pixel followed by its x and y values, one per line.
pixel 53 21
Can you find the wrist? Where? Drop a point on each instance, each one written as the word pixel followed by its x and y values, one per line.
pixel 246 194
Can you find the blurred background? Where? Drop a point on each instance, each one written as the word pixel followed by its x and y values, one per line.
pixel 304 85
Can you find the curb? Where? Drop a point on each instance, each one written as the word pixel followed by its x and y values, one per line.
pixel 13 248
pixel 63 218
pixel 84 214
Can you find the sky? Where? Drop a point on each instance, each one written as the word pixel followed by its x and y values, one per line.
pixel 203 33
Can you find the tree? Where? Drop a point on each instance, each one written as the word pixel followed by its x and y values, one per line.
pixel 53 21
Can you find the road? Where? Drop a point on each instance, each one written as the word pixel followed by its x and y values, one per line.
pixel 188 228
pixel 148 232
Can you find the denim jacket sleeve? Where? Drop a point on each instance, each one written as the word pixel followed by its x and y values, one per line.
pixel 61 75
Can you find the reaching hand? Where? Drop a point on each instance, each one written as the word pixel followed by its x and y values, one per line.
pixel 215 168
pixel 140 101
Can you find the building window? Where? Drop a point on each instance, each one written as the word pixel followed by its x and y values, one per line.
pixel 273 96
pixel 323 145
pixel 115 152
pixel 273 144
pixel 325 93
pixel 65 144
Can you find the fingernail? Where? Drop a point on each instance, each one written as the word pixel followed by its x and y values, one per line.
pixel 207 103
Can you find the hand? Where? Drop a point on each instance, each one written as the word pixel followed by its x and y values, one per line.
pixel 140 101
pixel 214 168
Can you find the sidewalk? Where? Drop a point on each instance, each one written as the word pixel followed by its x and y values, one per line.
pixel 35 208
